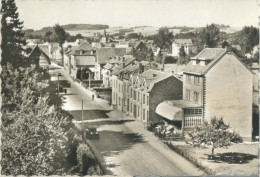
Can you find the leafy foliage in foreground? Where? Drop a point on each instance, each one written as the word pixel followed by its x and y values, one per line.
pixel 215 133
pixel 35 132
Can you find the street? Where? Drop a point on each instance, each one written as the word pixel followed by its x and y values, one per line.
pixel 124 147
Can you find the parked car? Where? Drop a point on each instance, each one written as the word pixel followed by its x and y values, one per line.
pixel 92 133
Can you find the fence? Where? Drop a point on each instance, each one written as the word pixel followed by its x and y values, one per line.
pixel 192 121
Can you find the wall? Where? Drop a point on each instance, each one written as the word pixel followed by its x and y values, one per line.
pixel 193 88
pixel 229 94
pixel 168 89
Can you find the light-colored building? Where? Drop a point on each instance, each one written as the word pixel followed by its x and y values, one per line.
pixel 215 83
pixel 178 43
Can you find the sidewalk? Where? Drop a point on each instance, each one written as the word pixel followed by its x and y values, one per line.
pixel 84 91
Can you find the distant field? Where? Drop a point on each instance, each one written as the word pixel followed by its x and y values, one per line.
pixel 144 30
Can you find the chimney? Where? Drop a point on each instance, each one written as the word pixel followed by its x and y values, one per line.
pixel 123 64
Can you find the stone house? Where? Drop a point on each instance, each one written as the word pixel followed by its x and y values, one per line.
pixel 215 83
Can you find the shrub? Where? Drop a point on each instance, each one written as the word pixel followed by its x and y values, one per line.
pixel 87 161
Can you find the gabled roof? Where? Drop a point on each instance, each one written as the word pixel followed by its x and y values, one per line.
pixel 212 56
pixel 104 54
pixel 183 41
pixel 85 47
pixel 138 43
pixel 42 53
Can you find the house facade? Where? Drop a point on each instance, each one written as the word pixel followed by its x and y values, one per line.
pixel 215 84
pixel 39 58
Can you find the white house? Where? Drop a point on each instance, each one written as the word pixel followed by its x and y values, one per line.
pixel 178 43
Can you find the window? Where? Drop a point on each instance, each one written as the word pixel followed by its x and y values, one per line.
pixel 119 87
pixel 119 101
pixel 193 111
pixel 138 111
pixel 147 114
pixel 196 80
pixel 143 114
pixel 143 98
pixel 131 108
pixel 130 93
pixel 147 101
pixel 134 95
pixel 138 98
pixel 196 97
pixel 187 94
pixel 188 78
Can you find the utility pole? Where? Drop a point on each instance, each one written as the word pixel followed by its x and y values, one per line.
pixel 89 79
pixel 82 115
pixel 58 83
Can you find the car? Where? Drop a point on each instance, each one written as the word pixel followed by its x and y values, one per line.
pixel 92 133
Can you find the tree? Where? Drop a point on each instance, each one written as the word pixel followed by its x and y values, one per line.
pixel 215 133
pixel 210 36
pixel 61 37
pixel 34 128
pixel 150 55
pixel 12 35
pixel 182 55
pixel 163 39
pixel 159 57
pixel 249 38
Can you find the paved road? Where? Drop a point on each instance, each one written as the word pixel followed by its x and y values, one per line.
pixel 122 150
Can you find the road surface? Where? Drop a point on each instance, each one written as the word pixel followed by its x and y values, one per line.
pixel 124 147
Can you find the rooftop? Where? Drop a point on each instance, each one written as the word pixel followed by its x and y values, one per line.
pixel 104 54
pixel 181 104
pixel 153 76
pixel 209 54
pixel 183 41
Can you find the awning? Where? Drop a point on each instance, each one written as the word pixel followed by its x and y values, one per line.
pixel 169 112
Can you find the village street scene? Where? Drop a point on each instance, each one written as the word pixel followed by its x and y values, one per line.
pixel 125 94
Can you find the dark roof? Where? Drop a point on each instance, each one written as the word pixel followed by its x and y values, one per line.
pixel 210 54
pixel 104 54
pixel 138 43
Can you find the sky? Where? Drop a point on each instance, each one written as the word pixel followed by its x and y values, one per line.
pixel 128 13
